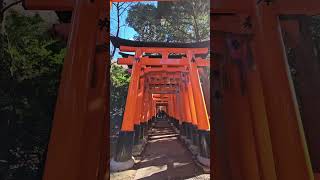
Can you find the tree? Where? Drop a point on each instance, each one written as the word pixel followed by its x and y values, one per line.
pixel 31 62
pixel 120 79
pixel 181 21
pixel 120 9
pixel 4 7
pixel 119 82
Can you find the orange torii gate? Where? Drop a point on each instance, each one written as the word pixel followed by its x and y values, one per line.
pixel 79 135
pixel 174 80
pixel 252 84
pixel 269 142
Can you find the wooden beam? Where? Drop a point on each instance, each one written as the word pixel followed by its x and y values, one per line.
pixel 160 62
pixel 163 75
pixel 169 70
pixel 159 83
pixel 164 49
pixel 164 90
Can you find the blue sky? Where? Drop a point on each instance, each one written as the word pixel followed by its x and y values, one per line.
pixel 125 31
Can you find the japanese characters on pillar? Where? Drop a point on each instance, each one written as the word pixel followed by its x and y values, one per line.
pixel 266 87
pixel 82 95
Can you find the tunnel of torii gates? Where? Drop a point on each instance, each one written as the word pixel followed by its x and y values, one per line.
pixel 164 76
pixel 256 125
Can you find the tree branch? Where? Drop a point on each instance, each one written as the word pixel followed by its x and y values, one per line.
pixel 9 6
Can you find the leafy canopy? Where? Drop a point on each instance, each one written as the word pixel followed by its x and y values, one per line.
pixel 181 21
pixel 30 66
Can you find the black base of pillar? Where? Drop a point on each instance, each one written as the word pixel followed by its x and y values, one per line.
pixel 183 129
pixel 137 131
pixel 195 135
pixel 189 130
pixel 124 146
pixel 152 121
pixel 143 130
pixel 176 123
pixel 148 124
pixel 204 143
pixel 171 120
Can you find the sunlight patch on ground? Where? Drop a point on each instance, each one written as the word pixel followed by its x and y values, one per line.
pixel 200 177
pixel 149 171
pixel 124 175
pixel 177 164
pixel 151 159
pixel 164 139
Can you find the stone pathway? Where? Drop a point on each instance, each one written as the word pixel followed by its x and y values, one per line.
pixel 164 158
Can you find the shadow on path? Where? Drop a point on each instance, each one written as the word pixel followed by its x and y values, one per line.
pixel 165 158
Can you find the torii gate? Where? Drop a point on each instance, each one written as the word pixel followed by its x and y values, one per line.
pixel 164 76
pixel 252 70
pixel 79 135
pixel 278 147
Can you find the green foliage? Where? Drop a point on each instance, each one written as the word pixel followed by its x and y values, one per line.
pixel 181 21
pixel 120 79
pixel 119 76
pixel 31 62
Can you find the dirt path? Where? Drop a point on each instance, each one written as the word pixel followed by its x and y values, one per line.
pixel 164 158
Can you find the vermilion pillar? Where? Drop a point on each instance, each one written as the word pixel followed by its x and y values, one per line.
pixel 179 107
pixel 237 114
pixel 202 115
pixel 188 118
pixel 236 157
pixel 137 121
pixel 143 123
pixel 287 137
pixel 153 111
pixel 176 111
pixel 183 124
pixel 188 88
pixel 261 127
pixel 172 109
pixel 147 107
pixel 143 114
pixel 126 136
pixel 80 118
pixel 205 87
